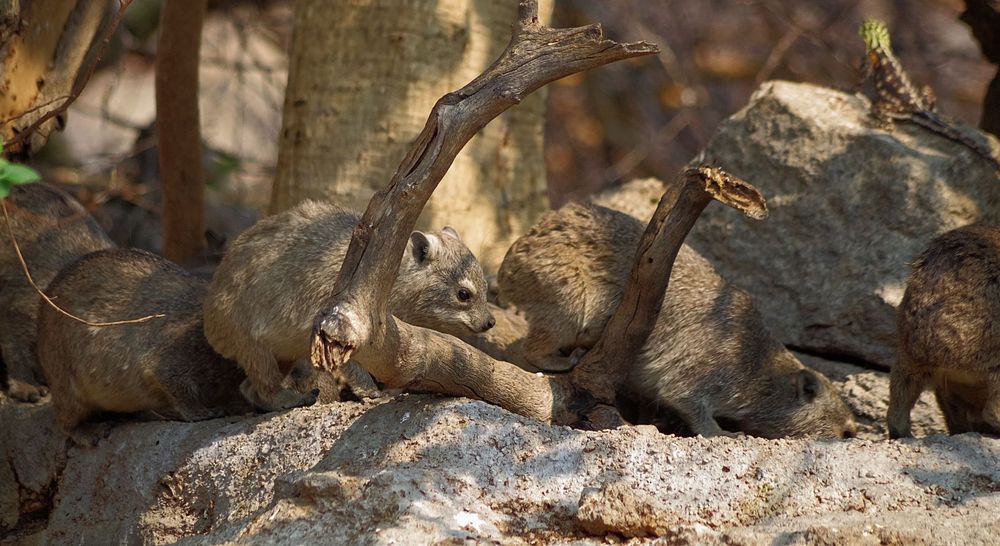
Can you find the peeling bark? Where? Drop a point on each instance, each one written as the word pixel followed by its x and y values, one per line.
pixel 42 53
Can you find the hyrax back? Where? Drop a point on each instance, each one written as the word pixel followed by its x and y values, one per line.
pixel 949 333
pixel 279 275
pixel 709 357
pixel 52 230
pixel 163 365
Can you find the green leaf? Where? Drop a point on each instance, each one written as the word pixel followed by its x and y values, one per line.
pixel 12 175
pixel 19 174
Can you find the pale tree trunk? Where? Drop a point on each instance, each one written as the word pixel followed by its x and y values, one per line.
pixel 43 44
pixel 362 77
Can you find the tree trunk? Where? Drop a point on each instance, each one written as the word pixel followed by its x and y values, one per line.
pixel 983 17
pixel 364 74
pixel 44 44
pixel 178 130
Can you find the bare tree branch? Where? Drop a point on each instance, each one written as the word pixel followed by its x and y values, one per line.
pixel 19 144
pixel 535 56
pixel 356 322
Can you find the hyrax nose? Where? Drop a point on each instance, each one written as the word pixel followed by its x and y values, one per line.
pixel 489 324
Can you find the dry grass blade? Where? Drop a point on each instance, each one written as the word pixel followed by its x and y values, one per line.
pixel 46 299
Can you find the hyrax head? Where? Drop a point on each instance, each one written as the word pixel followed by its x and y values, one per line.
pixel 441 285
pixel 799 402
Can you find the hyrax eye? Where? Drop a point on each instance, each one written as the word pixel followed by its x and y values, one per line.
pixel 464 295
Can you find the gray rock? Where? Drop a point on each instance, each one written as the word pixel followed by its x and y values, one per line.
pixel 850 204
pixel 425 469
pixel 32 454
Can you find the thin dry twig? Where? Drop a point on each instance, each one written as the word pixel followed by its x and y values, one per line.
pixel 31 281
pixel 23 135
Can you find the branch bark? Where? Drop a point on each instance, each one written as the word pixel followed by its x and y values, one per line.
pixel 605 368
pixel 42 66
pixel 357 323
pixel 179 131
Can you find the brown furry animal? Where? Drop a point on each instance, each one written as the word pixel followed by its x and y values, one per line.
pixel 164 365
pixel 949 333
pixel 278 275
pixel 709 358
pixel 52 229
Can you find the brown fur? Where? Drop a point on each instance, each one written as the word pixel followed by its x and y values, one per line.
pixel 278 275
pixel 949 333
pixel 164 365
pixel 709 357
pixel 52 230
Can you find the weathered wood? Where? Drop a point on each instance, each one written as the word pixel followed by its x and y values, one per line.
pixel 42 73
pixel 357 323
pixel 535 56
pixel 605 368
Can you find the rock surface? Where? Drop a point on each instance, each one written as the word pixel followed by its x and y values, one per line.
pixel 850 205
pixel 423 469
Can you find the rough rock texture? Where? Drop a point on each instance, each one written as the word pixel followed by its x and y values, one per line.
pixel 850 206
pixel 421 469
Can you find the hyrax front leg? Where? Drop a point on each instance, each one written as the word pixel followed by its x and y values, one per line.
pixel 905 386
pixel 266 387
pixel 991 411
pixel 699 418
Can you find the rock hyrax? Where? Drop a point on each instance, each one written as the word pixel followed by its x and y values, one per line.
pixel 949 333
pixel 52 229
pixel 164 365
pixel 279 274
pixel 709 357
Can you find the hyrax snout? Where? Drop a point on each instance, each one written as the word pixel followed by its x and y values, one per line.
pixel 279 275
pixel 709 359
pixel 163 365
pixel 949 333
pixel 52 230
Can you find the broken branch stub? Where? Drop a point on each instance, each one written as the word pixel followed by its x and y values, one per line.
pixel 605 368
pixel 356 317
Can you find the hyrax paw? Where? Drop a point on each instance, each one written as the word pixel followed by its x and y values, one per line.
pixel 281 400
pixel 25 392
pixel 577 356
pixel 89 434
pixel 200 414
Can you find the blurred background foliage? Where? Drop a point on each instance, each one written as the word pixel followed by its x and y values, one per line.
pixel 646 117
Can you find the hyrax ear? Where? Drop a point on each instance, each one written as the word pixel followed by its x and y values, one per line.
pixel 424 247
pixel 808 385
pixel 451 231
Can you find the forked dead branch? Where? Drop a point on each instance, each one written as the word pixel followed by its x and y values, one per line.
pixel 357 323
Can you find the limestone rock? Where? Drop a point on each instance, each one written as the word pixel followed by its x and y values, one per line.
pixel 426 469
pixel 850 205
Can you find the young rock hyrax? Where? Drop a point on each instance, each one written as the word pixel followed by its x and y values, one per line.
pixel 163 365
pixel 709 358
pixel 949 333
pixel 279 274
pixel 52 230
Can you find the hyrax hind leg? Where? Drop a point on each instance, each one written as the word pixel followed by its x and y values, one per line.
pixel 22 381
pixel 906 383
pixel 182 394
pixel 991 411
pixel 541 350
pixel 266 386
